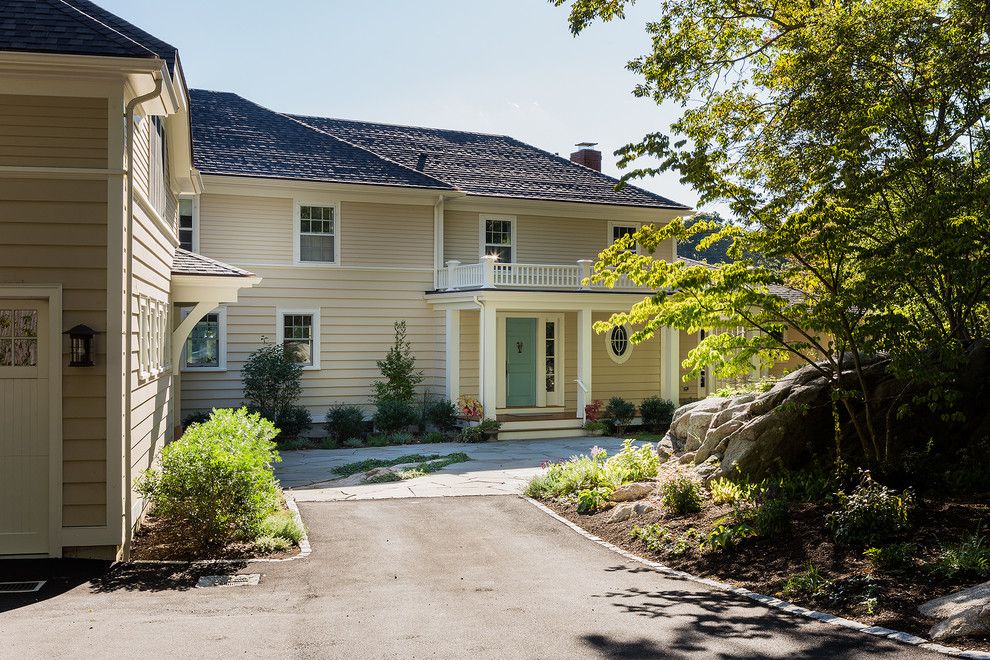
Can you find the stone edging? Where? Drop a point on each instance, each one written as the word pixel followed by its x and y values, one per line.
pixel 304 549
pixel 769 601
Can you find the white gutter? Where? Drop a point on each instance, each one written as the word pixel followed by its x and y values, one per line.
pixel 129 304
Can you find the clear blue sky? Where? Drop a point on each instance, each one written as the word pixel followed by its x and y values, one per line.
pixel 498 66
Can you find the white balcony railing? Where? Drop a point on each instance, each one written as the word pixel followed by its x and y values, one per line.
pixel 489 274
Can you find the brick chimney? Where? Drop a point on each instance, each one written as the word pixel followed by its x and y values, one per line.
pixel 587 155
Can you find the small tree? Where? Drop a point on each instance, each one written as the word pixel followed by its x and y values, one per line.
pixel 400 377
pixel 271 380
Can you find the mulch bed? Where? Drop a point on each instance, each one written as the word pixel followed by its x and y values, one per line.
pixel 764 565
pixel 157 540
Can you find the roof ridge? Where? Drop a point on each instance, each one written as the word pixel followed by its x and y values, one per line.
pixel 413 126
pixel 110 28
pixel 365 149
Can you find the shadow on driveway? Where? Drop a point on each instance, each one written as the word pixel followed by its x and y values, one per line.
pixel 60 576
pixel 179 576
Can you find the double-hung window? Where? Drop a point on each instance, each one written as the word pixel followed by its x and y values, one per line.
pixel 316 232
pixel 299 334
pixel 617 230
pixel 498 236
pixel 206 346
pixel 187 223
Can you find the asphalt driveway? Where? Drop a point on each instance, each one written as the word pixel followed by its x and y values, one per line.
pixel 413 578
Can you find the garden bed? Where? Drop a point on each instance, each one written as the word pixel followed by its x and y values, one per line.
pixel 765 565
pixel 158 541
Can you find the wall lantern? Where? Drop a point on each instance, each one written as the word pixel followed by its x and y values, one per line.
pixel 81 353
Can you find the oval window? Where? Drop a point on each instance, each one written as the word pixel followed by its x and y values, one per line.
pixel 618 344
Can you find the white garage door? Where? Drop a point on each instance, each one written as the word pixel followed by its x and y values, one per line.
pixel 23 427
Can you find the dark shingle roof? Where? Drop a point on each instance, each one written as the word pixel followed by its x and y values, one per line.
pixel 75 27
pixel 787 293
pixel 234 136
pixel 490 165
pixel 190 263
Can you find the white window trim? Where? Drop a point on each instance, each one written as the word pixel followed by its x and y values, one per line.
pixel 280 314
pixel 222 344
pixel 297 204
pixel 619 359
pixel 481 233
pixel 154 354
pixel 195 220
pixel 612 224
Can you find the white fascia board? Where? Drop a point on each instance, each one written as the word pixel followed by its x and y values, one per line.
pixel 348 192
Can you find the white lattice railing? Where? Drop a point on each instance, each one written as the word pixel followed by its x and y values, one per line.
pixel 489 274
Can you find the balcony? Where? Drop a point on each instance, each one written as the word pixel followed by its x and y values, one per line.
pixel 489 274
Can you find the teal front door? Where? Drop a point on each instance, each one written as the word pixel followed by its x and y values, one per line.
pixel 520 362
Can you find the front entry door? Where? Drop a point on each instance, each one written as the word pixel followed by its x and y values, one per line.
pixel 23 427
pixel 520 362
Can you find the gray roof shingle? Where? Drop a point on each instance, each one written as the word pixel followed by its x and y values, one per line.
pixel 190 263
pixel 234 136
pixel 75 27
pixel 787 293
pixel 489 165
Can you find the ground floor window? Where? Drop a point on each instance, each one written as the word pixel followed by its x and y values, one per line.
pixel 206 346
pixel 299 332
pixel 618 344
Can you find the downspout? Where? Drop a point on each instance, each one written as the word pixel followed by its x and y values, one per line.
pixel 129 305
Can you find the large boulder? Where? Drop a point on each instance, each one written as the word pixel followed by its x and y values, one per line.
pixel 632 492
pixel 963 613
pixel 757 434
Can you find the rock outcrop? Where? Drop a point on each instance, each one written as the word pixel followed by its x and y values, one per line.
pixel 755 433
pixel 963 613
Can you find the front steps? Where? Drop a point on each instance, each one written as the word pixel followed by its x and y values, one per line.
pixel 541 429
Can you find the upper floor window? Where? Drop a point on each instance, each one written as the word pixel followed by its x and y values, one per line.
pixel 157 164
pixel 499 237
pixel 316 232
pixel 187 223
pixel 617 230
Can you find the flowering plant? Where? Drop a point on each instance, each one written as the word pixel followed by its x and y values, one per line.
pixel 598 454
pixel 593 411
pixel 470 407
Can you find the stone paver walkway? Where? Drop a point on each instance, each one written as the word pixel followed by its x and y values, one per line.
pixel 495 468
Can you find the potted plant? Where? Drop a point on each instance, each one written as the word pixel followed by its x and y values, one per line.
pixel 596 428
pixel 592 418
pixel 489 429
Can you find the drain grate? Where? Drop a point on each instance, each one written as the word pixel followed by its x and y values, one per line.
pixel 250 579
pixel 21 587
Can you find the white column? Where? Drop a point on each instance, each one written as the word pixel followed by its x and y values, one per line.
pixel 451 274
pixel 488 270
pixel 585 267
pixel 670 364
pixel 452 355
pixel 487 356
pixel 584 334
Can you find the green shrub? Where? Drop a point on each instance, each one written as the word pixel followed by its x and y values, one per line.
pixel 441 414
pixel 618 414
pixel 806 583
pixel 271 380
pixel 354 443
pixel 681 494
pixel 871 513
pixel 398 369
pixel 592 499
pixel 725 535
pixel 891 558
pixel 481 431
pixel 394 415
pixel 433 437
pixel 656 537
pixel 377 440
pixel 772 518
pixel 281 524
pixel 969 557
pixel 216 482
pixel 596 427
pixel 634 463
pixel 329 443
pixel 724 491
pixel 401 438
pixel 344 421
pixel 267 545
pixel 657 414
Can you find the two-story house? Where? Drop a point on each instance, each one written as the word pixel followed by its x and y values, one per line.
pixel 479 242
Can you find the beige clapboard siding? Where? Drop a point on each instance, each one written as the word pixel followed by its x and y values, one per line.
pixel 53 131
pixel 56 231
pixel 357 307
pixel 540 239
pixel 246 229
pixel 690 389
pixel 384 235
pixel 470 354
pixel 635 379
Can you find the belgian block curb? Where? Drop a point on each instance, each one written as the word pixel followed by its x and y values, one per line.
pixel 769 601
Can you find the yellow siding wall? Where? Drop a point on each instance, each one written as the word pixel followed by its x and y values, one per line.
pixel 53 131
pixel 635 379
pixel 470 355
pixel 151 394
pixel 56 231
pixel 540 239
pixel 386 268
pixel 690 389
